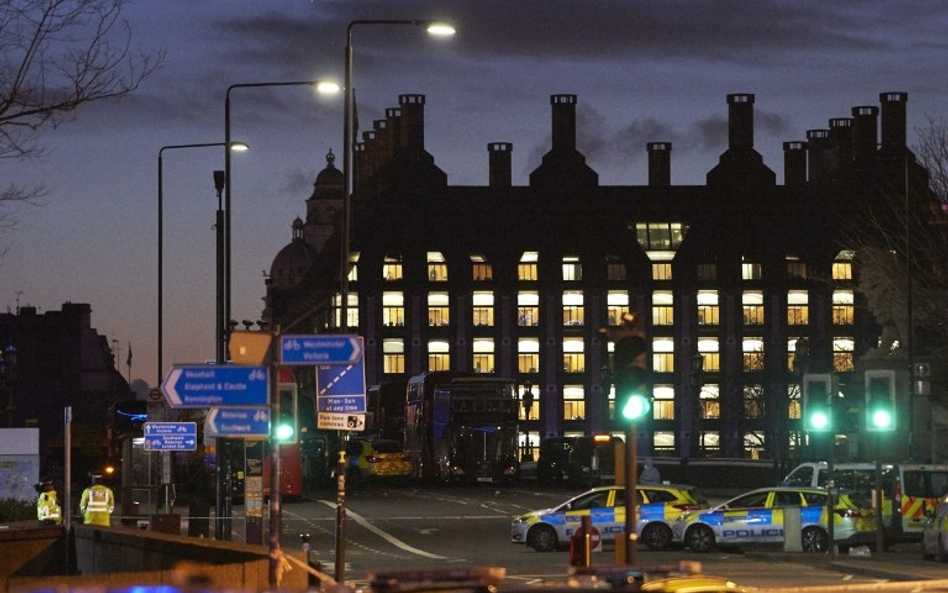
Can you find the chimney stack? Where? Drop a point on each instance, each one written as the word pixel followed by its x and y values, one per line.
pixel 865 136
pixel 841 138
pixel 659 163
pixel 412 131
pixel 740 120
pixel 794 163
pixel 820 155
pixel 564 121
pixel 893 121
pixel 499 164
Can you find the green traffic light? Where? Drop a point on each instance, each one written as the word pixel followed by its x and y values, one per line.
pixel 635 408
pixel 819 420
pixel 284 432
pixel 881 419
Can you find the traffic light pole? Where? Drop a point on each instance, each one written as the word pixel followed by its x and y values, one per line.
pixel 276 512
pixel 631 472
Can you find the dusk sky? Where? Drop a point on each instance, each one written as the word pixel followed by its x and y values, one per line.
pixel 643 71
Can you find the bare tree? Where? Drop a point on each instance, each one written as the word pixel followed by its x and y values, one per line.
pixel 56 56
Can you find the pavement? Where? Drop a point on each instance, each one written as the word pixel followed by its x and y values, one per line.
pixel 903 562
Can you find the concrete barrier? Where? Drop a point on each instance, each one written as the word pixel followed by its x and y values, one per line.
pixel 116 557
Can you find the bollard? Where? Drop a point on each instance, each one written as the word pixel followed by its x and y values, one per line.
pixel 580 544
pixel 792 530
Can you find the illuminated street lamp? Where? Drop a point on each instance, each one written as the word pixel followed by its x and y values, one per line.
pixel 224 328
pixel 236 146
pixel 436 28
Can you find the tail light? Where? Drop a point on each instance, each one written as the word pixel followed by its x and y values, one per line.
pixel 897 495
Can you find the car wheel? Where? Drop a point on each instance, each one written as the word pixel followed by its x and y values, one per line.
pixel 542 538
pixel 815 540
pixel 700 538
pixel 657 536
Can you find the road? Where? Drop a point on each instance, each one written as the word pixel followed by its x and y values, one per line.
pixel 397 529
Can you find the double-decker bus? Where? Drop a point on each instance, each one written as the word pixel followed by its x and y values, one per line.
pixel 462 426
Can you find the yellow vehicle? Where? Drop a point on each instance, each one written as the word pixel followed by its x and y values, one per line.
pixel 376 458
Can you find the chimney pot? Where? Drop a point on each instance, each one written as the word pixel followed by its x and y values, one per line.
pixel 659 163
pixel 499 154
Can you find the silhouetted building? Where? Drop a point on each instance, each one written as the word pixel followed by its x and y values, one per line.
pixel 62 361
pixel 516 281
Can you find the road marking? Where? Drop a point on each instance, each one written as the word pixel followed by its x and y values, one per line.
pixel 389 538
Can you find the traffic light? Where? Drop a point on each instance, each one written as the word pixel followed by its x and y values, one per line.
pixel 286 428
pixel 817 402
pixel 880 401
pixel 633 401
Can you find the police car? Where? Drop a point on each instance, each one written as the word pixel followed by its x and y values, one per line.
pixel 659 505
pixel 758 516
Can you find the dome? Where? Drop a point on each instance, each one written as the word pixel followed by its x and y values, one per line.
pixel 291 263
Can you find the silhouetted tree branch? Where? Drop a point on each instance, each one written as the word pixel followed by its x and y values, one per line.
pixel 58 55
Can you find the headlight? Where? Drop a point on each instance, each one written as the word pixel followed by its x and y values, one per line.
pixel 519 520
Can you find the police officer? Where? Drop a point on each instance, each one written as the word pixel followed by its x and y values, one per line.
pixel 47 505
pixel 97 503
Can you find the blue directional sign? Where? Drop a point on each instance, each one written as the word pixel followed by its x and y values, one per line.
pixel 340 388
pixel 251 421
pixel 320 349
pixel 170 436
pixel 202 386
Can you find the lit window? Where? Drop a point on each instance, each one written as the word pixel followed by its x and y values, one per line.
pixel 662 271
pixel 439 356
pixel 842 270
pixel 794 406
pixel 709 349
pixel 534 409
pixel 483 355
pixel 393 309
pixel 528 355
pixel 481 270
pixel 572 269
pixel 753 354
pixel 528 309
pixel 573 308
pixel 393 356
pixel 752 302
pixel 663 355
pixel 843 310
pixel 352 309
pixel 437 269
pixel 664 403
pixel 710 401
pixel 574 402
pixel 617 303
pixel 843 357
pixel 527 268
pixel 392 267
pixel 660 236
pixel 574 357
pixel 438 312
pixel 708 312
pixel 753 401
pixel 797 309
pixel 483 308
pixel 663 310
pixel 750 271
pixel 664 440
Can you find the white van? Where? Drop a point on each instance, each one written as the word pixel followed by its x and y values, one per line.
pixel 908 490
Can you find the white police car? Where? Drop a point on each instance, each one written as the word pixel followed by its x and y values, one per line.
pixel 659 505
pixel 758 516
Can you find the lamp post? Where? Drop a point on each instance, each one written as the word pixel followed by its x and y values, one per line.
pixel 8 368
pixel 527 407
pixel 436 28
pixel 238 146
pixel 224 327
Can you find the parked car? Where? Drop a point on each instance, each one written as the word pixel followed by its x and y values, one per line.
pixel 376 458
pixel 758 516
pixel 935 532
pixel 658 507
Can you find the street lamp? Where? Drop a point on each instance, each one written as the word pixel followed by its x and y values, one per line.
pixel 236 146
pixel 8 367
pixel 224 328
pixel 435 28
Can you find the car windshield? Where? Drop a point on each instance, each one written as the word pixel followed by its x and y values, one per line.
pixel 591 500
pixel 386 446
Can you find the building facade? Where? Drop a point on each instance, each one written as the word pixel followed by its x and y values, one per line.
pixel 745 283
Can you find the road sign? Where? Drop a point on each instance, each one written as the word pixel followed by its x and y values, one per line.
pixel 251 421
pixel 330 421
pixel 340 388
pixel 320 349
pixel 170 436
pixel 202 386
